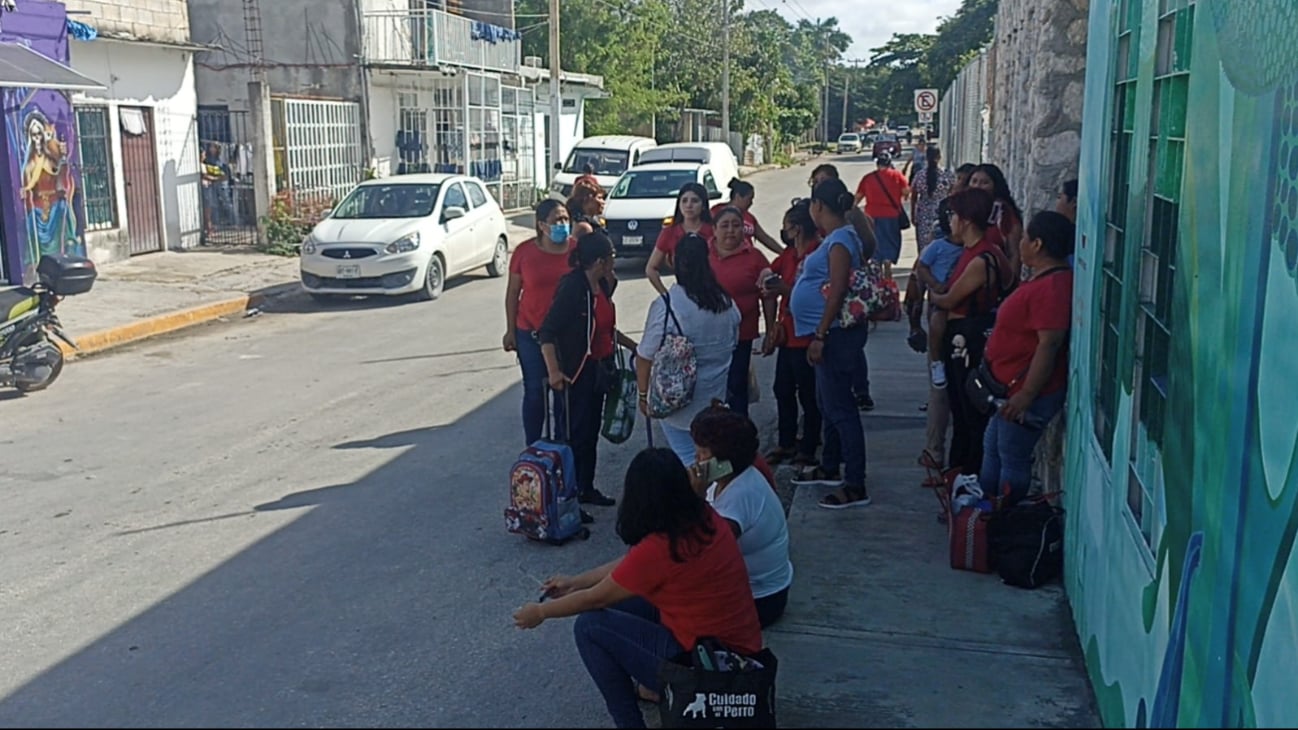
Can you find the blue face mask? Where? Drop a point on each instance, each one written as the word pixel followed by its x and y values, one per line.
pixel 559 232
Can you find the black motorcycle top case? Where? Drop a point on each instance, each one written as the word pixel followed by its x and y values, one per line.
pixel 66 275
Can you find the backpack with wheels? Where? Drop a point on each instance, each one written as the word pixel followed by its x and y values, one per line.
pixel 543 490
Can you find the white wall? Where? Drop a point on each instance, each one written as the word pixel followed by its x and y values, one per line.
pixel 162 78
pixel 572 129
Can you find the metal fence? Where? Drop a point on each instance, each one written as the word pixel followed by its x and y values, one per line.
pixel 225 155
pixel 321 143
pixel 434 37
pixel 964 129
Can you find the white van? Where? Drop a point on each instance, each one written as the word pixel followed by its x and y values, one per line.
pixel 610 155
pixel 717 156
pixel 642 202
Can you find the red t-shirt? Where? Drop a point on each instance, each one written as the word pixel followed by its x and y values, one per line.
pixel 878 204
pixel 540 272
pixel 1045 303
pixel 786 264
pixel 737 274
pixel 1002 222
pixel 987 245
pixel 672 235
pixel 750 221
pixel 707 595
pixel 601 345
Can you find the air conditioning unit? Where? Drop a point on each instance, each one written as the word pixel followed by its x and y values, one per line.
pixel 533 61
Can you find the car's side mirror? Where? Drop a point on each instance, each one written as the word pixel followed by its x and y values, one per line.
pixel 558 166
pixel 714 195
pixel 453 212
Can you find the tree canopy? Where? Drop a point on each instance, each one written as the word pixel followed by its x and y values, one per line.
pixel 659 57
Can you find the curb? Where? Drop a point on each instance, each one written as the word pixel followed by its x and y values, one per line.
pixel 168 322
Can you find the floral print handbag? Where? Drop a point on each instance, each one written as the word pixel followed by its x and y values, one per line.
pixel 675 369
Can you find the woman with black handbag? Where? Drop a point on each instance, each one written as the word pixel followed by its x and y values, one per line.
pixel 1027 357
pixel 578 339
pixel 979 280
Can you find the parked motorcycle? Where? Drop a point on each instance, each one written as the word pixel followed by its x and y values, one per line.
pixel 30 358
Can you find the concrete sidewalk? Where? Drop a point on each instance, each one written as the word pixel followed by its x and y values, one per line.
pixel 164 292
pixel 881 632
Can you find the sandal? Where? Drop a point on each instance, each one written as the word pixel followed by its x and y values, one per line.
pixel 779 455
pixel 846 496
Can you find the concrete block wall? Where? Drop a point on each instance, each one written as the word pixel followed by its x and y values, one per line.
pixel 1038 78
pixel 157 20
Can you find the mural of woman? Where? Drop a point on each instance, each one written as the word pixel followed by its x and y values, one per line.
pixel 48 187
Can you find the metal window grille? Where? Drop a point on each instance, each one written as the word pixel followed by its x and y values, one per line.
pixel 322 146
pixel 98 193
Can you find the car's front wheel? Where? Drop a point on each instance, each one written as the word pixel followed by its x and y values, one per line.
pixel 434 280
pixel 500 259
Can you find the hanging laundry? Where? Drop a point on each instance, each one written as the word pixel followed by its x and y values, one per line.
pixel 243 162
pixel 132 121
pixel 81 31
pixel 493 34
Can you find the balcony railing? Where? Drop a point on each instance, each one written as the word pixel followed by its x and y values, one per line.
pixel 433 38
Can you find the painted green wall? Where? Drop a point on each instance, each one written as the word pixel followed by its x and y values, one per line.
pixel 1196 624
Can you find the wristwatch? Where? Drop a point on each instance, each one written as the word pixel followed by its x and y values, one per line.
pixel 819 336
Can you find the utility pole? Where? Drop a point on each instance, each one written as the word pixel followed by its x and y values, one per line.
pixel 725 69
pixel 556 95
pixel 824 108
pixel 854 63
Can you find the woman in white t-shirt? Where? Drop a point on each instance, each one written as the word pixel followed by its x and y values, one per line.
pixel 726 445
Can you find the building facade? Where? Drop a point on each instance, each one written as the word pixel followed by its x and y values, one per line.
pixel 436 87
pixel 1181 477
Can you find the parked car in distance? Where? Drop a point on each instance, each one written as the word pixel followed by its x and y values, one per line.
pixel 849 142
pixel 642 202
pixel 610 155
pixel 903 131
pixel 886 142
pixel 405 235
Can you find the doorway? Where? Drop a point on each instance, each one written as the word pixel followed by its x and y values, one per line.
pixel 140 172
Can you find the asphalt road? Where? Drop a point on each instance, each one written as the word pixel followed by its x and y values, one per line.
pixel 296 520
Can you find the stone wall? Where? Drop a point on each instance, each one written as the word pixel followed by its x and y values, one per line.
pixel 155 20
pixel 1038 75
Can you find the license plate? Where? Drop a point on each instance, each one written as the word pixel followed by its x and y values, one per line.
pixel 633 240
pixel 349 271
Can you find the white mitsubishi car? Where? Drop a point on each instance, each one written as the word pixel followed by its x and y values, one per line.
pixel 405 234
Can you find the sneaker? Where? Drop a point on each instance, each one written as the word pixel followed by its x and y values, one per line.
pixel 864 403
pixel 855 497
pixel 817 476
pixel 596 497
pixel 937 372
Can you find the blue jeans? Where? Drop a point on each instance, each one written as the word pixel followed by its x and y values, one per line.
pixel 680 441
pixel 861 376
pixel 844 435
pixel 1008 446
pixel 534 379
pixel 621 643
pixel 737 379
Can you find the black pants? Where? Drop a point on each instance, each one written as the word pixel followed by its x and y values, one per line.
pixel 968 426
pixel 771 608
pixel 737 381
pixel 795 383
pixel 586 400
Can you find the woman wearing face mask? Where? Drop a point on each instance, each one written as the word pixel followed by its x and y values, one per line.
pixel 691 216
pixel 534 272
pixel 741 198
pixel 795 378
pixel 578 338
pixel 738 267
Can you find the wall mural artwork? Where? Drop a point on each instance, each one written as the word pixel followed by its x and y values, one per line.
pixel 1199 628
pixel 42 146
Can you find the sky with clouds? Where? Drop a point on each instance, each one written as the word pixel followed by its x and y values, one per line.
pixel 870 22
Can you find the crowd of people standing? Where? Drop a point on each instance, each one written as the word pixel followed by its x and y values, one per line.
pixel 707 538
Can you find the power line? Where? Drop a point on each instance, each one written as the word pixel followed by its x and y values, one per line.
pixel 659 26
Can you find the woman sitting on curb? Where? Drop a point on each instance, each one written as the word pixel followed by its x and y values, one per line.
pixel 683 578
pixel 727 475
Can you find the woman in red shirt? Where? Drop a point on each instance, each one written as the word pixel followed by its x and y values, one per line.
pixel 1006 219
pixel 578 338
pixel 534 272
pixel 739 268
pixel 1028 353
pixel 691 216
pixel 741 197
pixel 978 281
pixel 682 578
pixel 795 378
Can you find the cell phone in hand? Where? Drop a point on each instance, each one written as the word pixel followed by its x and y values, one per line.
pixel 774 281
